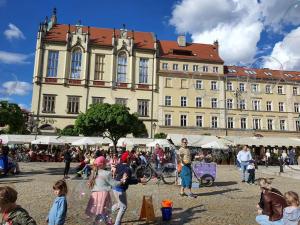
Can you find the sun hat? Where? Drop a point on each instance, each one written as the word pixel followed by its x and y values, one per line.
pixel 100 161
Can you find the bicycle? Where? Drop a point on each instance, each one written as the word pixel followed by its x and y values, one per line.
pixel 167 173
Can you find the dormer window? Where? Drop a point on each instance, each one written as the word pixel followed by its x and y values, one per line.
pixel 76 64
pixel 122 67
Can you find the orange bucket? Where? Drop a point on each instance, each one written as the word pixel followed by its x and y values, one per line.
pixel 167 203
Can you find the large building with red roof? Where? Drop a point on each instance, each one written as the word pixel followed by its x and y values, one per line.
pixel 174 86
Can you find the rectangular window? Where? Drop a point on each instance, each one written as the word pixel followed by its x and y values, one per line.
pixel 256 124
pixel 195 68
pixel 295 90
pixel 282 124
pixel 242 104
pixel 230 122
pixel 199 121
pixel 168 100
pixel 256 105
pixel 183 120
pixel 185 67
pixel 229 103
pixel 165 66
pixel 254 87
pixel 213 85
pixel 96 100
pixel 183 101
pixel 242 87
pixel 268 89
pixel 270 124
pixel 122 68
pixel 297 125
pixel 175 67
pixel 280 90
pixel 205 68
pixel 296 107
pixel 184 83
pixel 76 64
pixel 143 78
pixel 215 69
pixel 199 84
pixel 99 67
pixel 168 82
pixel 243 123
pixel 214 103
pixel 229 86
pixel 214 122
pixel 269 106
pixel 52 63
pixel 48 103
pixel 121 101
pixel 168 120
pixel 281 106
pixel 198 102
pixel 143 108
pixel 73 104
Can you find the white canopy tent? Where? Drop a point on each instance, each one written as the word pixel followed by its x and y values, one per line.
pixel 265 141
pixel 48 140
pixel 218 144
pixel 193 140
pixel 123 142
pixel 8 139
pixel 84 141
pixel 161 142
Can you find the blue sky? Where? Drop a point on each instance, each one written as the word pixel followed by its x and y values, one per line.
pixel 246 30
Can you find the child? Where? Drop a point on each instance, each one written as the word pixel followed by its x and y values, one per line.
pixel 251 172
pixel 11 212
pixel 58 211
pixel 291 214
pixel 101 183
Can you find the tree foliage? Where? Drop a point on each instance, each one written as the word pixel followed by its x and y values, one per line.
pixel 68 131
pixel 160 136
pixel 111 121
pixel 11 116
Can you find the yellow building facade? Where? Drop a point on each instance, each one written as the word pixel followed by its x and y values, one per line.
pixel 174 86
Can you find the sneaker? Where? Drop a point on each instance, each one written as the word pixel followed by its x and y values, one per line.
pixel 191 195
pixel 243 181
pixel 183 194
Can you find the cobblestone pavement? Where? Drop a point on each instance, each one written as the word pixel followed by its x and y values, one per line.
pixel 228 202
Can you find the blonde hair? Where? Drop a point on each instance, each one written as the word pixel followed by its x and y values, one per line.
pixel 265 183
pixel 292 198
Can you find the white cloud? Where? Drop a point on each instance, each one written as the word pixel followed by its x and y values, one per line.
pixel 13 32
pixel 237 24
pixel 15 88
pixel 13 58
pixel 24 106
pixel 287 52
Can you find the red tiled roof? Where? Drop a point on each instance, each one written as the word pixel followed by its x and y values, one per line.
pixel 264 73
pixel 101 36
pixel 198 52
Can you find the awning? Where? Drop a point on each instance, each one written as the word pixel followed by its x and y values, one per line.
pixel 49 140
pixel 193 140
pixel 161 142
pixel 218 144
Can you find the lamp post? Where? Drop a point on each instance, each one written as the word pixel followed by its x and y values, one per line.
pixel 154 128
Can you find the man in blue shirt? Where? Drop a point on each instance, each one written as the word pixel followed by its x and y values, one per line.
pixel 244 156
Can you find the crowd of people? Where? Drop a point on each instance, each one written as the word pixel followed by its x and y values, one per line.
pixel 114 171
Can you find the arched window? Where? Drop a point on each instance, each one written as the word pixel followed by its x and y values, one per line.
pixel 76 64
pixel 122 67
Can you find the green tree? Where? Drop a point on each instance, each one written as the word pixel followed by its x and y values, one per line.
pixel 160 136
pixel 111 121
pixel 11 116
pixel 68 131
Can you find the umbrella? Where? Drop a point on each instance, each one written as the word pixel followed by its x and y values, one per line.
pixel 218 144
pixel 50 140
pixel 84 141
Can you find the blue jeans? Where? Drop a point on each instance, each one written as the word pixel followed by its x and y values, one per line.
pixel 244 172
pixel 121 205
pixel 264 220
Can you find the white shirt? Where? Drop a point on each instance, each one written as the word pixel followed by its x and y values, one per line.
pixel 244 156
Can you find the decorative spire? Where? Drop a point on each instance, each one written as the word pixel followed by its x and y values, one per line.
pixel 69 28
pixel 114 33
pixel 88 30
pixel 54 11
pixel 79 22
pixel 124 26
pixel 132 33
pixel 46 20
pixel 54 17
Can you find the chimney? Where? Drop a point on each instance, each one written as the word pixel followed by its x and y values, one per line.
pixel 181 40
pixel 216 46
pixel 54 17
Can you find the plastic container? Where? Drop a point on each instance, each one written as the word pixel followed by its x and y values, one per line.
pixel 166 213
pixel 166 203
